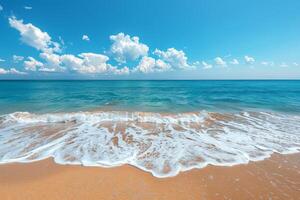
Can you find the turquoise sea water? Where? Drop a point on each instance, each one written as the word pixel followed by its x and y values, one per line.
pixel 154 96
pixel 188 124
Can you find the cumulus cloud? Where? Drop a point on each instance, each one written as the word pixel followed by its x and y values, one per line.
pixel 94 63
pixel 71 62
pixel 84 63
pixel 51 60
pixel 27 7
pixel 220 62
pixel 11 71
pixel 32 64
pixel 175 58
pixel 149 65
pixel 85 37
pixel 91 63
pixel 234 62
pixel 126 48
pixel 249 60
pixel 33 36
pixel 206 65
pixel 51 63
pixel 17 59
pixel 295 64
pixel 119 71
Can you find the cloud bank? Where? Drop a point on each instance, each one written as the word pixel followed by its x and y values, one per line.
pixel 124 50
pixel 11 71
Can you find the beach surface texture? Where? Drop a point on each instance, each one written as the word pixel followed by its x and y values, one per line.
pixel 274 178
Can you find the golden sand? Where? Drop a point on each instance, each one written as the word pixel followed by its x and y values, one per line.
pixel 274 178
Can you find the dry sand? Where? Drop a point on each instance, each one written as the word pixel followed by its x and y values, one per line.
pixel 274 178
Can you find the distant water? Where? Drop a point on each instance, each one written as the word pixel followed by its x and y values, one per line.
pixel 162 127
pixel 153 96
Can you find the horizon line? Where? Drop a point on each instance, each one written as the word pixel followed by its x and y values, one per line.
pixel 150 79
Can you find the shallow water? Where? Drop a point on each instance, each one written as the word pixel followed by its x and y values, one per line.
pixel 163 144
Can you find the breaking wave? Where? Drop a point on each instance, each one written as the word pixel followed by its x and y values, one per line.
pixel 163 144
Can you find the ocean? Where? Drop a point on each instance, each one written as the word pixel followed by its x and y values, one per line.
pixel 149 96
pixel 162 127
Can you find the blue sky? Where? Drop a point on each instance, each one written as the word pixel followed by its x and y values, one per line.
pixel 118 39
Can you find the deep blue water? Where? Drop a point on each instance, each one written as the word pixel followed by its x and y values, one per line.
pixel 156 96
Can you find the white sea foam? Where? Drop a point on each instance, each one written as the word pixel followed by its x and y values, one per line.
pixel 163 144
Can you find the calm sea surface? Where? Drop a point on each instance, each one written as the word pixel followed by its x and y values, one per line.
pixel 154 96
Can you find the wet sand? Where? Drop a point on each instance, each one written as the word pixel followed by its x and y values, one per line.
pixel 274 178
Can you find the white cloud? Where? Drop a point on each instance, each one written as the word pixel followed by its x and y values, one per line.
pixel 234 62
pixel 72 62
pixel 86 38
pixel 197 63
pixel 86 63
pixel 94 63
pixel 249 60
pixel 295 64
pixel 90 63
pixel 46 69
pixel 83 63
pixel 1 8
pixel 283 64
pixel 15 71
pixel 267 63
pixel 206 65
pixel 220 62
pixel 2 60
pixel 11 71
pixel 122 71
pixel 175 58
pixel 52 60
pixel 51 64
pixel 17 59
pixel 3 71
pixel 27 7
pixel 149 65
pixel 33 36
pixel 126 48
pixel 32 64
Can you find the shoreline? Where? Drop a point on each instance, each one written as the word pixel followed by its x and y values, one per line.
pixel 161 144
pixel 276 177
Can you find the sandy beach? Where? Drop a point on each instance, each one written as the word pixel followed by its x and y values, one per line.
pixel 274 178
